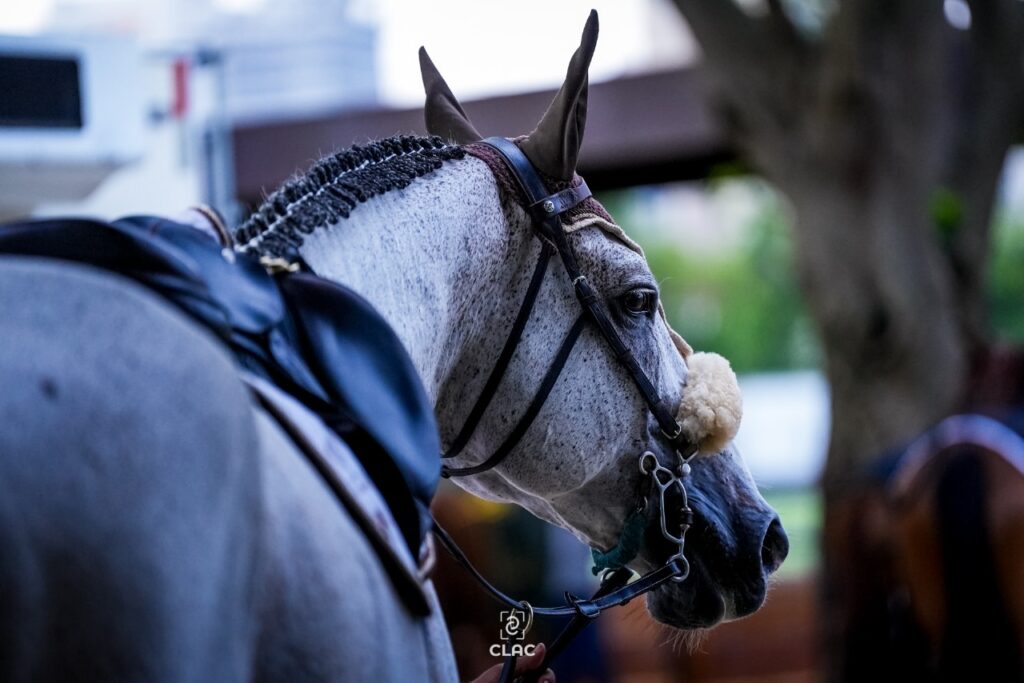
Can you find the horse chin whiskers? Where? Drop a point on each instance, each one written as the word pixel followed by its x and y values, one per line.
pixel 680 640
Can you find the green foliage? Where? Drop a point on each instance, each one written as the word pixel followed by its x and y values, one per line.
pixel 801 515
pixel 741 302
pixel 947 210
pixel 1006 279
pixel 726 170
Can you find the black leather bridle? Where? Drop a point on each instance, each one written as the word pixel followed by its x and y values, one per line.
pixel 547 210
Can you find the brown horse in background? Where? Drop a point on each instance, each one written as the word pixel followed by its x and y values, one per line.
pixel 939 539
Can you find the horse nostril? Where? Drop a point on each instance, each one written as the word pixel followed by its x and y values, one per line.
pixel 775 547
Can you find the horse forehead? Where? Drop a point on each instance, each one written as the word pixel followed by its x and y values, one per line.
pixel 601 244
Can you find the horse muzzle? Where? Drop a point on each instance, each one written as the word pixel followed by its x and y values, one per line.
pixel 734 545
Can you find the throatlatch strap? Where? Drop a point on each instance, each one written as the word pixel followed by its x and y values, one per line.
pixel 491 386
pixel 531 412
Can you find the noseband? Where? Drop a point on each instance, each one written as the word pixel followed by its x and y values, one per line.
pixel 546 210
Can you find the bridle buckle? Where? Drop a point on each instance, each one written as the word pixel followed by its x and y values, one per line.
pixel 675 434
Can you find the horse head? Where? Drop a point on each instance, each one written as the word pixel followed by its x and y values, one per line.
pixel 578 462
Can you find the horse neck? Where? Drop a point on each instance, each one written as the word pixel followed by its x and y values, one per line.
pixel 426 259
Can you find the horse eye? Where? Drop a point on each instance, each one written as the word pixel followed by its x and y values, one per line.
pixel 639 301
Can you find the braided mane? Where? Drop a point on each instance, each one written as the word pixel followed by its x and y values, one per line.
pixel 329 191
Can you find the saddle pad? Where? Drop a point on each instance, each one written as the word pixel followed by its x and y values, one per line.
pixel 319 341
pixel 352 486
pixel 956 430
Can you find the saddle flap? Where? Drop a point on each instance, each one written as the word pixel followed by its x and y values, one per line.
pixel 362 365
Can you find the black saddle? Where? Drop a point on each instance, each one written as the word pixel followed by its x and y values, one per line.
pixel 319 341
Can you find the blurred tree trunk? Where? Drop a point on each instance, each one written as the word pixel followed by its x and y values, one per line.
pixel 887 130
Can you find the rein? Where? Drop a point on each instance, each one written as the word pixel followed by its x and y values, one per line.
pixel 547 209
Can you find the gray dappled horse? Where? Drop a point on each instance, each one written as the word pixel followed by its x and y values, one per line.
pixel 156 524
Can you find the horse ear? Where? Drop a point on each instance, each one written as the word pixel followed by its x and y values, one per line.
pixel 445 116
pixel 554 146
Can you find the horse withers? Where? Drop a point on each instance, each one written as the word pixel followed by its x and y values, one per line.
pixel 159 524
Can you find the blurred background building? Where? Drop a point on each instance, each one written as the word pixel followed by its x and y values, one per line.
pixel 216 101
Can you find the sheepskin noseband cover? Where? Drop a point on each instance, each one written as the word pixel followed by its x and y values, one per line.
pixel 712 407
